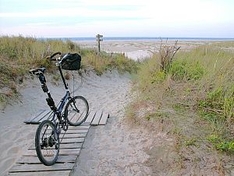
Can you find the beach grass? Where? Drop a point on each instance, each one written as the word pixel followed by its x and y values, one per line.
pixel 193 99
pixel 19 54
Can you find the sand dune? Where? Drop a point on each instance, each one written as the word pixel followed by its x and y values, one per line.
pixel 110 92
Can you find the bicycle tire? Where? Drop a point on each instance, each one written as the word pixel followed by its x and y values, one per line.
pixel 47 143
pixel 76 110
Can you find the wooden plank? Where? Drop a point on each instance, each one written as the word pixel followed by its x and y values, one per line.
pixel 97 118
pixel 71 146
pixel 40 117
pixel 74 135
pixel 41 112
pixel 41 167
pixel 55 173
pixel 45 114
pixel 76 131
pixel 90 117
pixel 62 146
pixel 69 149
pixel 71 140
pixel 86 123
pixel 35 160
pixel 70 152
pixel 80 127
pixel 104 118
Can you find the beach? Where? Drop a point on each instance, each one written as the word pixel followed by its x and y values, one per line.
pixel 118 148
pixel 137 49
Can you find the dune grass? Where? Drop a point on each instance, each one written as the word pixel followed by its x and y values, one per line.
pixel 19 54
pixel 193 99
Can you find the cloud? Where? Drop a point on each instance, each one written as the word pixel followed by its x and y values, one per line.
pixel 114 17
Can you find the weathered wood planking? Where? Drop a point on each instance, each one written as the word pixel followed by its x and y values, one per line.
pixel 38 117
pixel 67 145
pixel 34 159
pixel 104 118
pixel 49 173
pixel 97 118
pixel 90 117
pixel 41 167
pixel 72 135
pixel 63 151
pixel 71 144
pixel 70 148
pixel 94 118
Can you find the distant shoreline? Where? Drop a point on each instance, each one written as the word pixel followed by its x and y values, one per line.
pixel 142 38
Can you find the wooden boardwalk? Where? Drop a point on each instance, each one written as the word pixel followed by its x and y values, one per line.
pixel 71 144
pixel 94 118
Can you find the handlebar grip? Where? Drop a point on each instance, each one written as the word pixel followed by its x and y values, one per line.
pixel 51 57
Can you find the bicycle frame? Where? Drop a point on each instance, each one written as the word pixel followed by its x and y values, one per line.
pixel 61 106
pixel 57 110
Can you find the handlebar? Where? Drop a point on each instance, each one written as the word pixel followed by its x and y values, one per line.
pixel 52 56
pixel 38 71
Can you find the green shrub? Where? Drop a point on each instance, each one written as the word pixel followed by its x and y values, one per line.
pixel 221 144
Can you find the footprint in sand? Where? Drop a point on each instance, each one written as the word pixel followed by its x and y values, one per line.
pixel 12 150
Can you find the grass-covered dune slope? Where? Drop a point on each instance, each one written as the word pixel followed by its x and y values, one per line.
pixel 19 54
pixel 191 100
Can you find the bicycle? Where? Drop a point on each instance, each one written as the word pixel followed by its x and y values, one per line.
pixel 71 110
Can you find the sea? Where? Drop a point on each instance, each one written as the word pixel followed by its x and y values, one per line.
pixel 144 38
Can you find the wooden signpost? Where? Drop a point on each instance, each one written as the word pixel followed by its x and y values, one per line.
pixel 99 39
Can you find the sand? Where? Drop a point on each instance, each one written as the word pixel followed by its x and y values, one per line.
pixel 138 49
pixel 15 136
pixel 113 148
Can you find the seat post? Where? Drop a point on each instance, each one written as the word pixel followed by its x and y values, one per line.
pixel 44 87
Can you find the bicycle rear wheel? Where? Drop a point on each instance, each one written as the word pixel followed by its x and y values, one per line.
pixel 47 143
pixel 76 110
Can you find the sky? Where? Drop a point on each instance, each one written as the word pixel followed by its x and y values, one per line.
pixel 117 18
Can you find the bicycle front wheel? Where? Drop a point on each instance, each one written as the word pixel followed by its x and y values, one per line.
pixel 47 143
pixel 76 110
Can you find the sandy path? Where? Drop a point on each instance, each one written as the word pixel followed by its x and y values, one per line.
pixel 113 149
